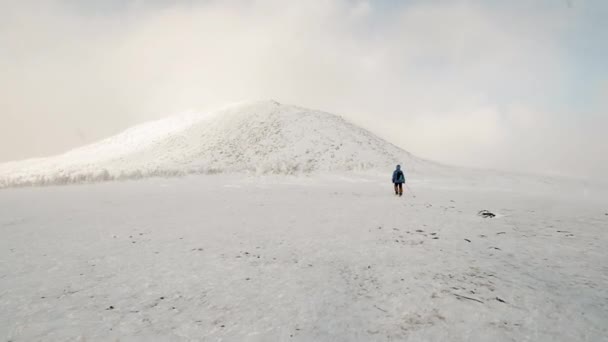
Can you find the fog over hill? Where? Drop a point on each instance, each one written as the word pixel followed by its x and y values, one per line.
pixel 263 137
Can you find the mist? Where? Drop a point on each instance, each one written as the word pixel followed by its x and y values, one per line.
pixel 518 86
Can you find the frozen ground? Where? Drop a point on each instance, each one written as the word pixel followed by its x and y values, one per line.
pixel 281 258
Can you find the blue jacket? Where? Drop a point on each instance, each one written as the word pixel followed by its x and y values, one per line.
pixel 398 176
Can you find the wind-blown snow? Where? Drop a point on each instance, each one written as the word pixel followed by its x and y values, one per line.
pixel 262 137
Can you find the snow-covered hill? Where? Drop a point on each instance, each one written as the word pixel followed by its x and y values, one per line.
pixel 262 137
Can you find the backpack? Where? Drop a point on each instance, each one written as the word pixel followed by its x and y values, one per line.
pixel 400 177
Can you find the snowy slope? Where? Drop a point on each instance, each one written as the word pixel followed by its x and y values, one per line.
pixel 261 137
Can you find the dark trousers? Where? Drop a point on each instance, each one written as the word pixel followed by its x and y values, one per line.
pixel 399 189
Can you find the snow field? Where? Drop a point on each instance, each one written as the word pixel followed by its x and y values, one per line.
pixel 238 258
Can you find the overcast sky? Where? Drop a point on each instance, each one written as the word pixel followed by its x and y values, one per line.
pixel 515 85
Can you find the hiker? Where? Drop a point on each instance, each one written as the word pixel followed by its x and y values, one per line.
pixel 398 180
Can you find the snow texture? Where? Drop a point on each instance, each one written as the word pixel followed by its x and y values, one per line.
pixel 261 138
pixel 292 234
pixel 283 258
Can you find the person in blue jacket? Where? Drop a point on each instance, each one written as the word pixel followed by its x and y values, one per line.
pixel 398 180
